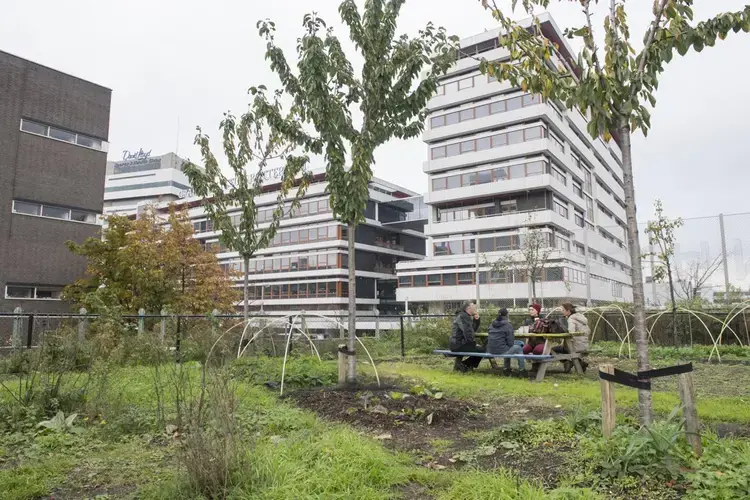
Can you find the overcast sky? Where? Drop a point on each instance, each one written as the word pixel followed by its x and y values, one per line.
pixel 188 61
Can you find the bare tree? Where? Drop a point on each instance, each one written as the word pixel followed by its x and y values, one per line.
pixel 693 276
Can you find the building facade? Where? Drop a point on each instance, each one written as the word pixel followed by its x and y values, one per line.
pixel 141 179
pixel 305 267
pixel 53 151
pixel 506 170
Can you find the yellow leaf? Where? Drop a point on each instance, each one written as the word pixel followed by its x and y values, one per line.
pixel 524 86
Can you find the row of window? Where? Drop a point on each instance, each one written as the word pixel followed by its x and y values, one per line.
pixel 477 211
pixel 266 215
pixel 288 264
pixel 33 292
pixel 495 174
pixel 294 237
pixel 299 290
pixel 53 212
pixel 490 142
pixel 492 108
pixel 485 277
pixel 146 185
pixel 60 134
pixel 486 245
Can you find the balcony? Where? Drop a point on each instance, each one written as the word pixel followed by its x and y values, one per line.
pixel 379 242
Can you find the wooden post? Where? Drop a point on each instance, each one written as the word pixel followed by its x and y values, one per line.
pixel 83 325
pixel 377 322
pixel 16 341
pixel 141 320
pixel 608 401
pixel 163 325
pixel 690 411
pixel 342 365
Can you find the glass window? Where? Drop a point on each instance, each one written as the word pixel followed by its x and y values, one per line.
pixel 482 111
pixel 484 177
pixel 465 278
pixel 404 281
pixel 294 235
pixel 452 149
pixel 497 107
pixel 437 121
pixel 515 137
pixel 56 212
pixel 433 280
pixel 456 247
pixel 579 218
pixel 420 280
pixel 438 184
pixel 533 133
pixel 467 146
pixel 499 140
pixel 49 293
pixel 332 260
pixel 530 99
pixel 535 168
pixel 577 189
pixel 62 135
pixel 440 249
pixel 33 127
pixel 486 245
pixel 81 216
pixel 500 174
pixel 514 103
pixel 454 181
pixel 438 152
pixel 23 207
pixel 332 232
pixel 19 292
pixel 517 171
pixel 467 114
pixel 466 83
pixel 467 179
pixel 89 142
pixel 449 279
pixel 483 143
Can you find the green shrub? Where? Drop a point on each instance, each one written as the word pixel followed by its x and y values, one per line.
pixel 301 371
pixel 722 473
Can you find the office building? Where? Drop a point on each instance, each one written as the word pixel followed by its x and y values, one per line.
pixel 506 168
pixel 306 265
pixel 142 179
pixel 53 152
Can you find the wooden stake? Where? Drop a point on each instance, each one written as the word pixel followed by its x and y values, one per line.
pixel 608 401
pixel 342 365
pixel 690 411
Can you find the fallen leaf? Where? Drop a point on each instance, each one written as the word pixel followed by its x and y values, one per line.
pixel 429 419
pixel 438 395
pixel 387 435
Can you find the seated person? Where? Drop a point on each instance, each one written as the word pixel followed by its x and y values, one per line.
pixel 577 323
pixel 535 345
pixel 462 339
pixel 500 340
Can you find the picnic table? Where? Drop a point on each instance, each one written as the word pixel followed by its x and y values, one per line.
pixel 548 355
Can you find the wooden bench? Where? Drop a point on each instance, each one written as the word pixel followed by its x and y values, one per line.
pixel 535 359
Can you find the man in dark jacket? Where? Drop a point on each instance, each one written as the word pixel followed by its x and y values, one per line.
pixel 502 341
pixel 462 338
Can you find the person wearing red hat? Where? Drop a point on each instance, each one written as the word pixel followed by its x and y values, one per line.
pixel 532 347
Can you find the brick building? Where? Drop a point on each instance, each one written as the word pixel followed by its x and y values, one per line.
pixel 53 153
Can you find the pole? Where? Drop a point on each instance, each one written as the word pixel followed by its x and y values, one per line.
pixel 653 281
pixel 17 328
pixel 30 331
pixel 608 401
pixel 476 268
pixel 403 350
pixel 690 411
pixel 724 256
pixel 587 263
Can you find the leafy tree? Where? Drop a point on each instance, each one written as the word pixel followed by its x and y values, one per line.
pixel 660 233
pixel 246 141
pixel 615 90
pixel 398 77
pixel 143 264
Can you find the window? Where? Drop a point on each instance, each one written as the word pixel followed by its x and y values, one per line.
pixel 433 280
pixel 586 181
pixel 559 176
pixel 467 114
pixel 438 152
pixel 36 292
pixel 452 118
pixel 561 243
pixel 515 137
pixel 557 143
pixel 60 134
pixel 437 121
pixel 514 103
pixel 578 215
pixel 589 208
pixel 449 279
pixel 577 188
pixel 465 278
pixel 466 83
pixel 53 212
pixel 482 111
pixel 420 280
pixel 452 150
pixel 404 281
pixel 484 143
pixel 580 249
pixel 438 184
pixel 533 133
pixel 560 207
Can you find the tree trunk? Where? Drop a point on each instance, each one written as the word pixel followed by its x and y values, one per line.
pixel 634 247
pixel 351 377
pixel 245 310
pixel 675 336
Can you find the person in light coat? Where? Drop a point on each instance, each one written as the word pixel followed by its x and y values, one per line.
pixel 579 326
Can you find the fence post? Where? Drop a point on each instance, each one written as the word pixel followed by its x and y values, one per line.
pixel 15 341
pixel 141 320
pixel 214 321
pixel 377 324
pixel 30 331
pixel 403 351
pixel 341 328
pixel 690 411
pixel 83 325
pixel 608 401
pixel 724 257
pixel 342 365
pixel 163 325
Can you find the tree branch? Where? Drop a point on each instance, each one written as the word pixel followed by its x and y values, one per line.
pixel 651 33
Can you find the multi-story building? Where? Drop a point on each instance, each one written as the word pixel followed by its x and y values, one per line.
pixel 506 167
pixel 306 265
pixel 53 152
pixel 142 179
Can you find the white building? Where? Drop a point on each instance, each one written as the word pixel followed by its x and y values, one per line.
pixel 305 268
pixel 140 179
pixel 501 161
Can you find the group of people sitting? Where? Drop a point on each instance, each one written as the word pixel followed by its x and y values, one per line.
pixel 501 336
